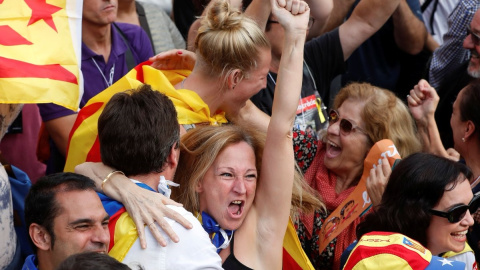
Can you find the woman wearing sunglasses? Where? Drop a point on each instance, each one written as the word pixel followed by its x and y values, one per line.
pixel 362 115
pixel 428 199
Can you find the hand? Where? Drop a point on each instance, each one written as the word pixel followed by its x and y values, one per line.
pixel 453 154
pixel 146 207
pixel 293 15
pixel 422 102
pixel 174 59
pixel 377 181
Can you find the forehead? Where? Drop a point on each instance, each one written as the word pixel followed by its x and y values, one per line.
pixel 352 110
pixel 236 155
pixel 79 204
pixel 461 194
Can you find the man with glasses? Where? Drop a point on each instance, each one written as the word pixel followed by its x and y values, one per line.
pixel 456 62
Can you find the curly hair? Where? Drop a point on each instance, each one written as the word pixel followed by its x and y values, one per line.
pixel 416 185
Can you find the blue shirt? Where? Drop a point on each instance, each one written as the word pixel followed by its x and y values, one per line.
pixel 30 263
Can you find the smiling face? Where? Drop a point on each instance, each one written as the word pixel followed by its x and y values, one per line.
pixel 80 226
pixel 345 153
pixel 99 12
pixel 443 236
pixel 236 98
pixel 227 190
pixel 469 44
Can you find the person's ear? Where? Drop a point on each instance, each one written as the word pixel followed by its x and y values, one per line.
pixel 199 186
pixel 40 237
pixel 174 155
pixel 234 78
pixel 469 129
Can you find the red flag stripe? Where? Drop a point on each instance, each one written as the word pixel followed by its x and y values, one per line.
pixel 10 37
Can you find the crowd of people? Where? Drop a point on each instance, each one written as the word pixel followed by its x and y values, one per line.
pixel 262 134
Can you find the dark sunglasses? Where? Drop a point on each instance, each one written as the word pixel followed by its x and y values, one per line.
pixel 346 127
pixel 458 212
pixel 475 37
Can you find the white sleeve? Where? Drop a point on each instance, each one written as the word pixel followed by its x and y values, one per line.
pixel 193 251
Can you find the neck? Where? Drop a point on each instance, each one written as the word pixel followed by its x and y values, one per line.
pixel 152 179
pixel 471 160
pixel 274 63
pixel 44 261
pixel 348 180
pixel 127 12
pixel 98 39
pixel 207 88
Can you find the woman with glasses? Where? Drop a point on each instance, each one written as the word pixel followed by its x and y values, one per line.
pixel 427 199
pixel 465 121
pixel 362 115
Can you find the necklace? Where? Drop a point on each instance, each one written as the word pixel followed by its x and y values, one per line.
pixel 475 182
pixel 112 71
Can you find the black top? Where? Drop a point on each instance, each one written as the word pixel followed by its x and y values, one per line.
pixel 231 263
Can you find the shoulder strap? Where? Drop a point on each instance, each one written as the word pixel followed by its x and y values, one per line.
pixel 128 54
pixel 425 5
pixel 142 17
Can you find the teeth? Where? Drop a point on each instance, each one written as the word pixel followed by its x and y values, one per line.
pixel 461 233
pixel 332 144
pixel 237 202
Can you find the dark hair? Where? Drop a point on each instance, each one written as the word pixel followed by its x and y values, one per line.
pixel 416 185
pixel 92 261
pixel 137 130
pixel 41 206
pixel 469 108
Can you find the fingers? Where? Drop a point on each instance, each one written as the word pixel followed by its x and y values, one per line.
pixel 453 154
pixel 168 201
pixel 178 218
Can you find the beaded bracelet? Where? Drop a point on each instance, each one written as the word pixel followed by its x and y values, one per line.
pixel 109 175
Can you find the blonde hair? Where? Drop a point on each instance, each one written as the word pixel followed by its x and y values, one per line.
pixel 385 116
pixel 201 146
pixel 228 40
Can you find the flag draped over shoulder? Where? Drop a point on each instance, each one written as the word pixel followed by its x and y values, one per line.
pixel 294 257
pixel 84 144
pixel 40 47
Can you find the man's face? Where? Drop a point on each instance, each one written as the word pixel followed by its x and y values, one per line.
pixel 99 12
pixel 472 43
pixel 80 226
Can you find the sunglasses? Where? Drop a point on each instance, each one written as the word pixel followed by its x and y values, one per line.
pixel 346 127
pixel 458 212
pixel 475 37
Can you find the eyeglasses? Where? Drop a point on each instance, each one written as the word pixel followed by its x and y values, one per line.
pixel 458 212
pixel 475 37
pixel 346 127
pixel 311 20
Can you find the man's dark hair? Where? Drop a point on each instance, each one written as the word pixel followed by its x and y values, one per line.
pixel 92 261
pixel 41 206
pixel 137 130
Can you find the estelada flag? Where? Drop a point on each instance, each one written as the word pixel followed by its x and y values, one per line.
pixel 40 47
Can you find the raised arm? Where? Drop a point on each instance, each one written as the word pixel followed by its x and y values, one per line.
pixel 274 191
pixel 367 17
pixel 143 206
pixel 320 10
pixel 422 102
pixel 409 31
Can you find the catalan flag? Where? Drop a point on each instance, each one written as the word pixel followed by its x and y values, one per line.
pixel 386 250
pixel 191 109
pixel 40 52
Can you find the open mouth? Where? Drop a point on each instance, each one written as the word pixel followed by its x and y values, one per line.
pixel 333 149
pixel 460 236
pixel 235 208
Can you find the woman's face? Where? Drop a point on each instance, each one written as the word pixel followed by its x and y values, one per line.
pixel 443 236
pixel 236 98
pixel 457 124
pixel 345 153
pixel 227 190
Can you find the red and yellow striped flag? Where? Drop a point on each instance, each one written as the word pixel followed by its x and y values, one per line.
pixel 40 46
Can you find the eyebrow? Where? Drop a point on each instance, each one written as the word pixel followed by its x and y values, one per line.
pixel 87 220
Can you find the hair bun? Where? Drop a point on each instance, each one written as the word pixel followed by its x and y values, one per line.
pixel 222 16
